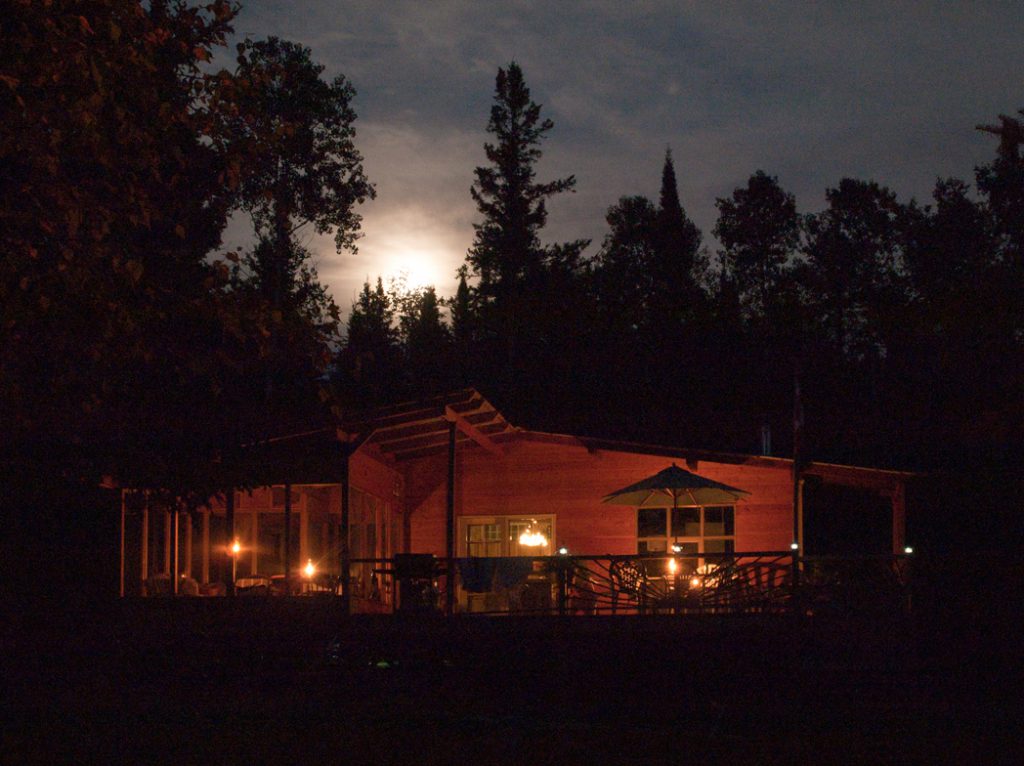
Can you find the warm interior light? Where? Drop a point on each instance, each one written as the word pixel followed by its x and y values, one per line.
pixel 310 569
pixel 673 566
pixel 236 547
pixel 532 537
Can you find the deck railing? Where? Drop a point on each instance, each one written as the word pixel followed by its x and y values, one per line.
pixel 711 583
pixel 753 582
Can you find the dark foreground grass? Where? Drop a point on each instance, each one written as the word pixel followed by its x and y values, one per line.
pixel 216 681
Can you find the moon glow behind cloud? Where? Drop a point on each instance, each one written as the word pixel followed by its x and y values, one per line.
pixel 810 92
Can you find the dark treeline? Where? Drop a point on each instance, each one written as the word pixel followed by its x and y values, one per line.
pixel 900 320
pixel 130 348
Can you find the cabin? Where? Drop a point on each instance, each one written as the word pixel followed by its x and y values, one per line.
pixel 444 503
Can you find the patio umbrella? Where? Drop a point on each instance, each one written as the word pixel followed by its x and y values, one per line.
pixel 677 486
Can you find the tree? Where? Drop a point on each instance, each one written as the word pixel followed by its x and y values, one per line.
pixel 1002 185
pixel 427 344
pixel 300 331
pixel 370 368
pixel 464 331
pixel 463 314
pixel 296 134
pixel 292 136
pixel 678 265
pixel 855 266
pixel 112 196
pixel 759 230
pixel 507 258
pixel 622 278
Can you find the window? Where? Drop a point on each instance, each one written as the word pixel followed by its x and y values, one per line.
pixel 498 536
pixel 694 529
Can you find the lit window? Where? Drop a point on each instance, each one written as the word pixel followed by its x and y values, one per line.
pixel 688 531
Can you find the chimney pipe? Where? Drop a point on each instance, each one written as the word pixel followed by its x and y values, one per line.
pixel 766 438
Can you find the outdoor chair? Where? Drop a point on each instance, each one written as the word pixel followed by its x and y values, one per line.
pixel 630 580
pixel 765 586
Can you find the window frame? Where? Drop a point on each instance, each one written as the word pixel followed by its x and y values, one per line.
pixel 504 535
pixel 668 539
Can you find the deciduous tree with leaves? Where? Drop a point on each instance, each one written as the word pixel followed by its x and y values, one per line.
pixel 759 230
pixel 111 196
pixel 291 138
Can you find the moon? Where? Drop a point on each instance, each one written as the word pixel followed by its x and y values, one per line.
pixel 422 266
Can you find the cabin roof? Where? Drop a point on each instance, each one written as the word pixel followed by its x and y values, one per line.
pixel 417 429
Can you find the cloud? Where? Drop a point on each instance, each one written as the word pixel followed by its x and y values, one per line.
pixel 811 92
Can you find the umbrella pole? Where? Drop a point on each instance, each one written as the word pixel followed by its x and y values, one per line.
pixel 675 546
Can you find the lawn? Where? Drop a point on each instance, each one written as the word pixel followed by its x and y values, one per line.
pixel 292 681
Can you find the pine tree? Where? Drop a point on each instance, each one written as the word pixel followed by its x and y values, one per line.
pixel 463 317
pixel 678 266
pixel 369 364
pixel 507 258
pixel 427 345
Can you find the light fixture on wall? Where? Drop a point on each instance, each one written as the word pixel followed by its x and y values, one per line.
pixel 532 537
pixel 236 548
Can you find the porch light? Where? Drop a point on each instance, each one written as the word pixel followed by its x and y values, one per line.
pixel 563 551
pixel 532 537
pixel 794 546
pixel 677 548
pixel 236 548
pixel 908 550
pixel 310 569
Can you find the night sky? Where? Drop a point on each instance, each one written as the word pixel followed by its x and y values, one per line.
pixel 808 92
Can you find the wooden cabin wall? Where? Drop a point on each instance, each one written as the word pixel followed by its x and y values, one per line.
pixel 371 475
pixel 535 477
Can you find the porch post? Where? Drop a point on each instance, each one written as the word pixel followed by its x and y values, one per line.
pixel 206 545
pixel 304 533
pixel 449 580
pixel 800 516
pixel 346 558
pixel 167 542
pixel 177 550
pixel 798 426
pixel 188 544
pixel 144 563
pixel 899 518
pixel 229 536
pixel 287 539
pixel 121 589
pixel 255 558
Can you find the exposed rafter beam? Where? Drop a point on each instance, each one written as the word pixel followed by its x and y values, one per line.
pixel 471 431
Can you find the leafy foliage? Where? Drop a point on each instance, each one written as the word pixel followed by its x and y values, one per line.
pixel 124 349
pixel 759 230
pixel 110 200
